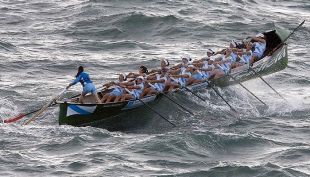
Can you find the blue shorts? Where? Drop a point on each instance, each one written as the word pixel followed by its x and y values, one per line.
pixel 197 76
pixel 136 94
pixel 116 92
pixel 257 55
pixel 89 88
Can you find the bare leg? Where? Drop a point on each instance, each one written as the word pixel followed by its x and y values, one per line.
pixel 252 60
pixel 117 99
pixel 110 98
pixel 105 97
pixel 81 99
pixel 97 98
pixel 145 92
pixel 126 97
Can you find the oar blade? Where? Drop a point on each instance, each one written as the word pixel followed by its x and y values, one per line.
pixel 14 119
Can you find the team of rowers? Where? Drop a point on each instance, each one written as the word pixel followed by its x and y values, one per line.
pixel 165 79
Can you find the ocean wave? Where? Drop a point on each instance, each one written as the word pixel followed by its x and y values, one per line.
pixel 7 46
pixel 235 170
pixel 123 25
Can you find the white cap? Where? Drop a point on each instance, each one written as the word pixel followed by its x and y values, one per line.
pixel 260 35
pixel 210 51
pixel 166 62
pixel 140 77
pixel 233 43
pixel 188 59
pixel 191 66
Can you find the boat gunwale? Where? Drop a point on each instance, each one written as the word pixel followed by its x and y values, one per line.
pixel 234 73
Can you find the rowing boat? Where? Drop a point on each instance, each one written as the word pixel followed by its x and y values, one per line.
pixel 114 116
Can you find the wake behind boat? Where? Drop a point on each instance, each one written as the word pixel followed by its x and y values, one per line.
pixel 108 115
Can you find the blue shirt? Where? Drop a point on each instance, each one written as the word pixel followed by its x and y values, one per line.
pixel 260 48
pixel 82 78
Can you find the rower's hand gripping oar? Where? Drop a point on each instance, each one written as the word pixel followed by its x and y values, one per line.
pixel 150 108
pixel 45 107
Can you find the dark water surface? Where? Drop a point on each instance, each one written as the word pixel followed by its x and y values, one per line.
pixel 43 42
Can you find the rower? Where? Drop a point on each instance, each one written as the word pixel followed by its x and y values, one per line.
pixel 134 90
pixel 206 68
pixel 159 84
pixel 117 91
pixel 164 66
pixel 183 76
pixel 210 53
pixel 143 71
pixel 259 48
pixel 223 67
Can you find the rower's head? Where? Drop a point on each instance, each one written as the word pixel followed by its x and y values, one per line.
pixel 186 60
pixel 248 45
pixel 121 77
pixel 210 52
pixel 139 79
pixel 210 62
pixel 260 35
pixel 228 51
pixel 164 63
pixel 80 70
pixel 143 70
pixel 190 68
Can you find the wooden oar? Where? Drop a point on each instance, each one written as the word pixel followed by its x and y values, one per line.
pixel 45 107
pixel 175 102
pixel 266 82
pixel 218 93
pixel 246 89
pixel 187 89
pixel 150 108
pixel 279 45
pixel 275 49
pixel 22 115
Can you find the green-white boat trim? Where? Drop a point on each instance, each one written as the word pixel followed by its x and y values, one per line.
pixel 108 114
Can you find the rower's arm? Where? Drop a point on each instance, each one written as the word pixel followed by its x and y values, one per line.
pixel 181 76
pixel 256 39
pixel 176 66
pixel 206 69
pixel 175 71
pixel 134 87
pixel 156 81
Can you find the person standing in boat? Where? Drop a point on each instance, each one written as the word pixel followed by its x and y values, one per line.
pixel 88 86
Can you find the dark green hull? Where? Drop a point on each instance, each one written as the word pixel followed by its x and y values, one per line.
pixel 118 116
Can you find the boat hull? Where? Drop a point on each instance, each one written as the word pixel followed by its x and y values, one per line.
pixel 116 116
